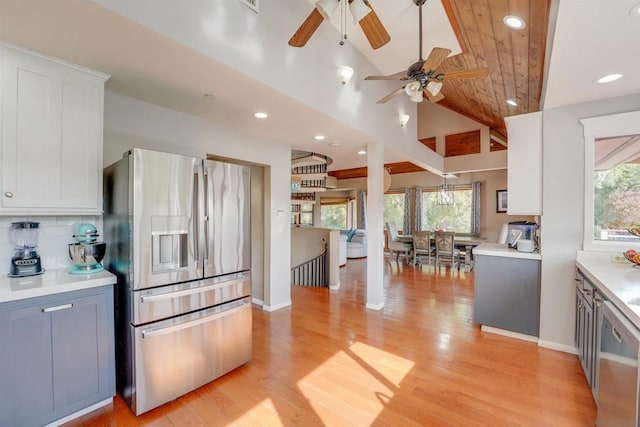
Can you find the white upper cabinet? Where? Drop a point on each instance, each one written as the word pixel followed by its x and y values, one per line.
pixel 50 135
pixel 524 161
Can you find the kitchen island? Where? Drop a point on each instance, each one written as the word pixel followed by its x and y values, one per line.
pixel 507 290
pixel 57 357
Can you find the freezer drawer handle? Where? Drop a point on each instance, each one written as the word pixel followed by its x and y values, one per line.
pixel 57 308
pixel 186 292
pixel 156 332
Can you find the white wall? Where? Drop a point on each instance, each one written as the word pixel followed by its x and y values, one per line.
pixel 131 123
pixel 563 212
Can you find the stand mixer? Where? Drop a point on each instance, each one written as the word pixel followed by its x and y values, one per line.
pixel 24 237
pixel 86 253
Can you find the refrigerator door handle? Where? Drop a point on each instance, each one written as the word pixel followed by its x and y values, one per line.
pixel 197 213
pixel 206 216
pixel 150 333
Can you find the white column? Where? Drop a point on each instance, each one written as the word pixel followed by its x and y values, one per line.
pixel 375 254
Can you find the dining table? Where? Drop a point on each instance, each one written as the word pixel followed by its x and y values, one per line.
pixel 461 241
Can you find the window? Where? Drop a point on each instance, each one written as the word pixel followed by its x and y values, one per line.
pixel 306 214
pixel 456 217
pixel 394 209
pixel 611 181
pixel 616 189
pixel 334 215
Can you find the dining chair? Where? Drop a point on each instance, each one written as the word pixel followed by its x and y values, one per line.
pixel 422 246
pixel 446 250
pixel 395 245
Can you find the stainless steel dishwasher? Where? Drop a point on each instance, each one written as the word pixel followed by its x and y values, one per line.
pixel 618 369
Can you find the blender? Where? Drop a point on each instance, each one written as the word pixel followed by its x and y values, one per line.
pixel 24 237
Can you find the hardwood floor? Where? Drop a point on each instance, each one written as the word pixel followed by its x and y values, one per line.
pixel 421 361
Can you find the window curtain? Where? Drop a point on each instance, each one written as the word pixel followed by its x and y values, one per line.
pixel 475 208
pixel 418 210
pixel 406 223
pixel 362 210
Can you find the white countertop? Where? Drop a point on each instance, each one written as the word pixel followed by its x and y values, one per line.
pixel 616 277
pixel 495 249
pixel 49 283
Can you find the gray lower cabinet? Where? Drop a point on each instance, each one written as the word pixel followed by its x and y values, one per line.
pixel 56 355
pixel 587 329
pixel 507 293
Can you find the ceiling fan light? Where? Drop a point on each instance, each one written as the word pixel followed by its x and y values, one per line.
pixel 417 97
pixel 327 7
pixel 412 88
pixel 358 10
pixel 434 88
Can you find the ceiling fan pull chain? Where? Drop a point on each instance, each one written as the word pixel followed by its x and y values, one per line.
pixel 343 21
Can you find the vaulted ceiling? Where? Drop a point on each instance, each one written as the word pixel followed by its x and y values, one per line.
pixel 475 33
pixel 172 68
pixel 515 58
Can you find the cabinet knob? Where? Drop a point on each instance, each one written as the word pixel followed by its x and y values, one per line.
pixel 8 194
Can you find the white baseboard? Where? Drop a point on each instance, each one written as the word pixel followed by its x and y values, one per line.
pixel 257 301
pixel 510 334
pixel 335 287
pixel 80 413
pixel 375 306
pixel 559 347
pixel 271 308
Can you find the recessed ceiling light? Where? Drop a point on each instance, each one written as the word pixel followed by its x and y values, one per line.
pixel 319 137
pixel 513 22
pixel 260 115
pixel 609 78
pixel 209 96
pixel 334 143
pixel 512 102
pixel 635 11
pixel 361 152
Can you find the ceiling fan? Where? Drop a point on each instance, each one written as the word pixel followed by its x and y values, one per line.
pixel 361 11
pixel 425 80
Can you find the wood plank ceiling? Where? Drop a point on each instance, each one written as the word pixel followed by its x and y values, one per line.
pixel 515 59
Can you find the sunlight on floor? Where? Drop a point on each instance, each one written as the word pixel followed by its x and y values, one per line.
pixel 369 378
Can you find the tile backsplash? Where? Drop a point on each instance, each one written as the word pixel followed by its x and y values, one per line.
pixel 56 232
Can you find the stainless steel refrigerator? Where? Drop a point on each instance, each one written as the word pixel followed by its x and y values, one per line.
pixel 178 238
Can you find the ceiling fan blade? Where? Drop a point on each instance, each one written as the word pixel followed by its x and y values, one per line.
pixel 475 73
pixel 373 29
pixel 435 58
pixel 391 95
pixel 434 98
pixel 400 75
pixel 306 30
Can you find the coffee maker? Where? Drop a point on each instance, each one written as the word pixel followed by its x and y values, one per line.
pixel 24 237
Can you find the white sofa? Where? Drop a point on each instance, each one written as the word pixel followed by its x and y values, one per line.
pixel 357 247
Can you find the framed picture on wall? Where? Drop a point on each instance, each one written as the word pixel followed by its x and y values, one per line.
pixel 501 201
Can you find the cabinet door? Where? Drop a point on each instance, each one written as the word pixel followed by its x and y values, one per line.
pixel 56 356
pixel 26 368
pixel 82 352
pixel 584 336
pixel 51 136
pixel 524 161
